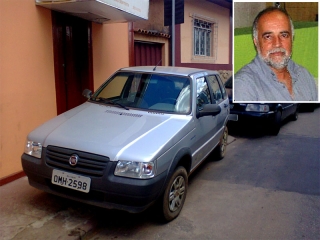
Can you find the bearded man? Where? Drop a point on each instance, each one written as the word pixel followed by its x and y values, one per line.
pixel 272 75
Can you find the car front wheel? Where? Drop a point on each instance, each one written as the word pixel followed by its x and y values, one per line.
pixel 175 194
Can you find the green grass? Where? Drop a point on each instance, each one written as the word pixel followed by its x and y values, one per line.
pixel 305 46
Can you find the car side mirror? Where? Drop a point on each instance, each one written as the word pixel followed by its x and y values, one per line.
pixel 87 93
pixel 209 110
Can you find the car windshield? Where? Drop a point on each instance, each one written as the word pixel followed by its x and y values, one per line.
pixel 147 91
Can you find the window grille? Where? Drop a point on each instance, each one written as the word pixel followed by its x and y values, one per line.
pixel 205 36
pixel 202 37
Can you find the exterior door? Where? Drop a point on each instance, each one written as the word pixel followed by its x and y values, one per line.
pixel 147 54
pixel 72 58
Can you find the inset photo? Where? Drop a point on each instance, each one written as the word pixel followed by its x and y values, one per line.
pixel 276 52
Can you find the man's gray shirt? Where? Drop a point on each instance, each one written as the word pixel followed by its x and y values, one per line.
pixel 257 82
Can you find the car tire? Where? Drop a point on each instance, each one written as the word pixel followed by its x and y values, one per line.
pixel 174 194
pixel 276 124
pixel 295 115
pixel 220 149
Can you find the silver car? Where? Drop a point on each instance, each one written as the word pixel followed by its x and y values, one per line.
pixel 134 142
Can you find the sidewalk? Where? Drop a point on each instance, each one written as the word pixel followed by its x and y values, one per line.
pixel 29 214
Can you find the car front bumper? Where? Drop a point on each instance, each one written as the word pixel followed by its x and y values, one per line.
pixel 256 117
pixel 107 191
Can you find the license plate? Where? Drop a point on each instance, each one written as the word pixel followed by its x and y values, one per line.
pixel 70 180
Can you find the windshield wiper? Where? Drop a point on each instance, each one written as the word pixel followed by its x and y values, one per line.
pixel 106 100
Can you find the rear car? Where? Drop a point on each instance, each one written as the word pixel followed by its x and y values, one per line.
pixel 270 115
pixel 134 142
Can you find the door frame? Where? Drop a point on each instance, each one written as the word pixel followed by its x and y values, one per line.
pixel 59 60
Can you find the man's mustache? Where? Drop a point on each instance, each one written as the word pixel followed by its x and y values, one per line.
pixel 276 50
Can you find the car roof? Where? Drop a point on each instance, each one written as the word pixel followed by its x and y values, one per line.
pixel 182 71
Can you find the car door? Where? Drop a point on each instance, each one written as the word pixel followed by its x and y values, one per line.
pixel 205 127
pixel 219 97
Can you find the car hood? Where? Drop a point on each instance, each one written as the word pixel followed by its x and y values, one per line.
pixel 113 132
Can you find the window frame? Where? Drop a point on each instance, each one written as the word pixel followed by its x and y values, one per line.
pixel 220 86
pixel 213 39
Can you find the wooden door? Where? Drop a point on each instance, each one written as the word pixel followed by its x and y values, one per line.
pixel 72 59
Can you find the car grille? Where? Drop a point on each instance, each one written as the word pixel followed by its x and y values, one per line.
pixel 88 163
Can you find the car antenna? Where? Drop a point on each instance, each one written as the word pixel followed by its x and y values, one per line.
pixel 157 65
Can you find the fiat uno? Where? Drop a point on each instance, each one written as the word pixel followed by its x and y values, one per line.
pixel 134 142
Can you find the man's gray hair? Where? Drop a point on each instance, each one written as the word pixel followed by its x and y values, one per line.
pixel 268 10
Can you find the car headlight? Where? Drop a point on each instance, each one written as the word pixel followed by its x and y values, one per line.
pixel 257 108
pixel 33 148
pixel 131 169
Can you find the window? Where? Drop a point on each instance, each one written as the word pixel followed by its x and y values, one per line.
pixel 205 38
pixel 223 89
pixel 218 95
pixel 147 91
pixel 203 93
pixel 202 37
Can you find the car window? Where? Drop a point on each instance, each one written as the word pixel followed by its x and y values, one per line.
pixel 203 93
pixel 217 93
pixel 147 91
pixel 223 89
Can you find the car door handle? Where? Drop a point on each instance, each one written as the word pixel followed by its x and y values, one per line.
pixel 226 105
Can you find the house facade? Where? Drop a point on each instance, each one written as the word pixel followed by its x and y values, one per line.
pixel 46 59
pixel 203 40
pixel 49 55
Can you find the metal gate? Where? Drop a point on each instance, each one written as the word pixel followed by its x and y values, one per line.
pixel 147 53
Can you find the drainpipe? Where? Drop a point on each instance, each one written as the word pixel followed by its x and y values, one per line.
pixel 173 40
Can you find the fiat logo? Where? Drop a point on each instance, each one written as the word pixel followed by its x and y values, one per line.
pixel 73 160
